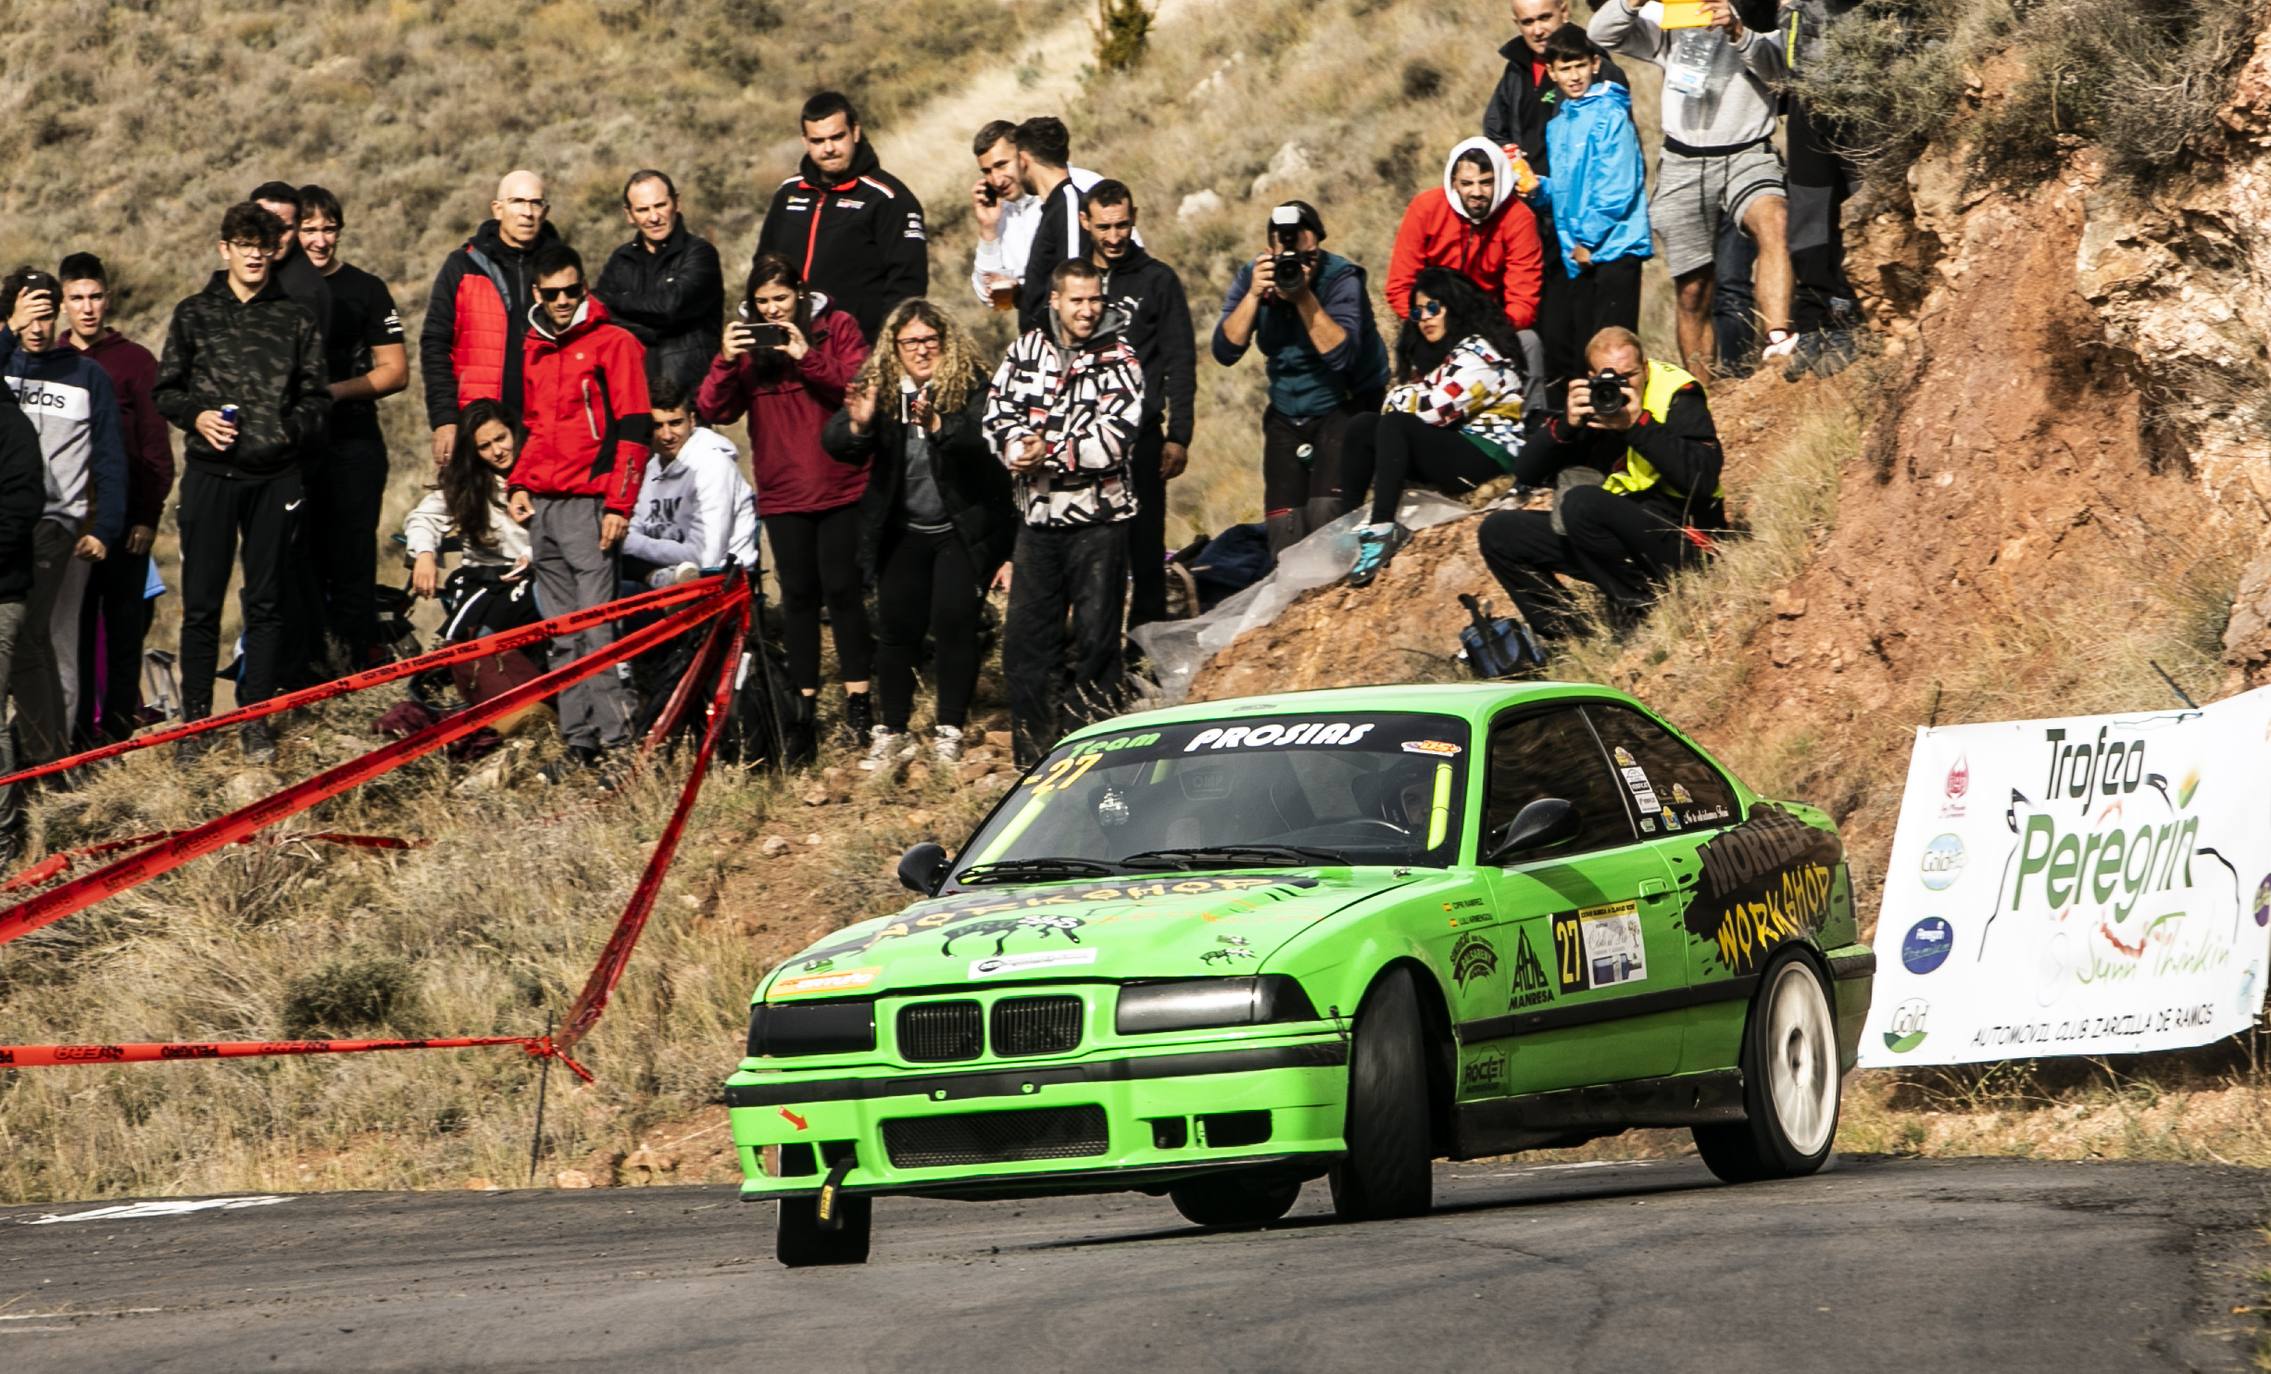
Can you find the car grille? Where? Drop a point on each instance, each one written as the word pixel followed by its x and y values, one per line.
pixel 941 1032
pixel 1036 1025
pixel 932 1142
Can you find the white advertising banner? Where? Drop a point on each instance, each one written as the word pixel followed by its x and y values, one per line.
pixel 2094 885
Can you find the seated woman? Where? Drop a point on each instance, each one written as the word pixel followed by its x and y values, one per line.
pixel 490 591
pixel 937 520
pixel 1452 422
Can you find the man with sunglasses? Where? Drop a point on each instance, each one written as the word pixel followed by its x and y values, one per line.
pixel 576 482
pixel 469 348
pixel 242 375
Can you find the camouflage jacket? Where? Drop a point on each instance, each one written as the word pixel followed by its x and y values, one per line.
pixel 264 356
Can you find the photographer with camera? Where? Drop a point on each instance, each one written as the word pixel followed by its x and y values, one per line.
pixel 1635 460
pixel 786 361
pixel 1311 313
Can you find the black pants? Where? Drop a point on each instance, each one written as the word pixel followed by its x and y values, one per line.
pixel 344 495
pixel 1604 294
pixel 1081 571
pixel 1147 531
pixel 927 585
pixel 1560 330
pixel 216 514
pixel 1614 542
pixel 1821 181
pixel 114 618
pixel 1301 469
pixel 816 557
pixel 1387 453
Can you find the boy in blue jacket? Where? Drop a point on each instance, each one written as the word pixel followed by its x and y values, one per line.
pixel 1599 187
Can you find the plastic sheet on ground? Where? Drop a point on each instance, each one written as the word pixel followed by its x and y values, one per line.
pixel 1178 649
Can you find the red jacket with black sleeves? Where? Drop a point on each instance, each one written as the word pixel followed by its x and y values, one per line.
pixel 787 408
pixel 588 419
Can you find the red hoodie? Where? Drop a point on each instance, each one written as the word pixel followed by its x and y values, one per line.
pixel 1500 254
pixel 149 456
pixel 585 399
pixel 794 475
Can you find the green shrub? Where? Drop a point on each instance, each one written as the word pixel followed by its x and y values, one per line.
pixel 346 996
pixel 1123 31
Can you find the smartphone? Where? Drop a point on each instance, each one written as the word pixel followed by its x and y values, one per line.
pixel 767 336
pixel 988 194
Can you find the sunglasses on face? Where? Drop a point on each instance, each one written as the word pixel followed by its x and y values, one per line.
pixel 1427 310
pixel 549 294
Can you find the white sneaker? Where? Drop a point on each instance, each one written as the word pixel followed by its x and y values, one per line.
pixel 886 748
pixel 946 743
pixel 672 576
pixel 1780 348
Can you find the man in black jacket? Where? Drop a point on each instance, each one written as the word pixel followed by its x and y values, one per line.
pixel 23 497
pixel 1150 295
pixel 243 376
pixel 665 285
pixel 1516 118
pixel 1653 513
pixel 1044 171
pixel 469 348
pixel 854 230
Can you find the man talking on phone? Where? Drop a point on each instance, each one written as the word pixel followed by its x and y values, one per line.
pixel 1636 458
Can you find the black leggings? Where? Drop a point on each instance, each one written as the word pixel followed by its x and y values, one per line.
pixel 816 557
pixel 927 584
pixel 1388 452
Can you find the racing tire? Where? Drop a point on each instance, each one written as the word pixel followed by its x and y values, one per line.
pixel 1234 1200
pixel 1790 1082
pixel 799 1242
pixel 1389 1169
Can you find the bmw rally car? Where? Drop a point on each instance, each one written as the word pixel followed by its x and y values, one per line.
pixel 1219 950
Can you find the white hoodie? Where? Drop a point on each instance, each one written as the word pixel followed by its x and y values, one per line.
pixel 697 508
pixel 1502 172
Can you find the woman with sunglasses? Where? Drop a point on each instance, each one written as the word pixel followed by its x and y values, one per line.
pixel 784 364
pixel 1452 422
pixel 937 521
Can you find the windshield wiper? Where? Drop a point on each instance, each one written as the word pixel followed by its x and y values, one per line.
pixel 1005 870
pixel 1234 856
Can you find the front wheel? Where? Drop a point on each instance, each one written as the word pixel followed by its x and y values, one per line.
pixel 1234 1200
pixel 1389 1168
pixel 1790 1082
pixel 800 1240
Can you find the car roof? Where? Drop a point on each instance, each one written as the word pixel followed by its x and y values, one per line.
pixel 1473 701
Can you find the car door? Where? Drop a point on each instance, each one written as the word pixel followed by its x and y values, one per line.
pixel 1586 926
pixel 1688 801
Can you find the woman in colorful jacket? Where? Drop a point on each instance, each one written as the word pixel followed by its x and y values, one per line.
pixel 785 364
pixel 1452 422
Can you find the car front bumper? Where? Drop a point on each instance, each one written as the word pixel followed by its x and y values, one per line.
pixel 1103 1123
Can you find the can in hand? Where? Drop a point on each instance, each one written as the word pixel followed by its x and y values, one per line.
pixel 229 416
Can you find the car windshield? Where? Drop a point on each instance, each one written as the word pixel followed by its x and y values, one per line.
pixel 1357 788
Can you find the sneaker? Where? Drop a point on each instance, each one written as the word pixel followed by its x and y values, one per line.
pixel 1781 343
pixel 1374 547
pixel 672 576
pixel 1824 353
pixel 886 748
pixel 946 744
pixel 257 738
pixel 859 715
pixel 187 751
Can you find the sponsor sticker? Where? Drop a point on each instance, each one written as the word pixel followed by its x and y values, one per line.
pixel 1040 958
pixel 1680 796
pixel 843 980
pixel 1926 945
pixel 1943 863
pixel 1906 1029
pixel 1442 747
pixel 1624 757
pixel 1473 957
pixel 1955 788
pixel 1529 985
pixel 1306 732
pixel 1486 1072
pixel 1614 952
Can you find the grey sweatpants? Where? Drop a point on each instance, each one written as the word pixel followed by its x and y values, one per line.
pixel 34 679
pixel 572 573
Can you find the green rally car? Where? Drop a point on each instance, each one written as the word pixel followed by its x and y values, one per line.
pixel 1219 950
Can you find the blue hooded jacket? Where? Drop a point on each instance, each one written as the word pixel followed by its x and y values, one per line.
pixel 1599 185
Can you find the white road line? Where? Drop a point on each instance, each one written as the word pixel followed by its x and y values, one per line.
pixel 138 1211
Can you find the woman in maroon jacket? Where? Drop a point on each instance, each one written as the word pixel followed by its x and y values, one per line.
pixel 785 365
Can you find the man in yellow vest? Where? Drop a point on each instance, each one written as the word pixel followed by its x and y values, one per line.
pixel 1638 494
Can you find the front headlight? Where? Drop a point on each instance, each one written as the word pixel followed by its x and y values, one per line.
pixel 1195 1003
pixel 813 1028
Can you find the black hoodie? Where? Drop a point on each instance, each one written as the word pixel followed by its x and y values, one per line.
pixel 859 238
pixel 512 273
pixel 1149 293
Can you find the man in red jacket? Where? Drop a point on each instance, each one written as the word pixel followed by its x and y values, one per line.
pixel 576 482
pixel 1475 225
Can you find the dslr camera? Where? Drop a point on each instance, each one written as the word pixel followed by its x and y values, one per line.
pixel 1605 390
pixel 1286 265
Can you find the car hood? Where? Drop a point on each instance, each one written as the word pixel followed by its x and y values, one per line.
pixel 1156 926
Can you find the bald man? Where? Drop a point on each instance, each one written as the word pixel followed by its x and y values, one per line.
pixel 477 313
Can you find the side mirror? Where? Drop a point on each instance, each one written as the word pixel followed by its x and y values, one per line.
pixel 923 867
pixel 1542 824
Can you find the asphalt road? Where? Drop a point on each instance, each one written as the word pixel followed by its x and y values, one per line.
pixel 1873 1265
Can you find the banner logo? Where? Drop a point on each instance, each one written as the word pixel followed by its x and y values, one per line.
pixel 1927 944
pixel 1943 862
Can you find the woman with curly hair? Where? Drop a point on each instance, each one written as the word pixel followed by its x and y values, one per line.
pixel 1452 422
pixel 784 365
pixel 468 500
pixel 936 522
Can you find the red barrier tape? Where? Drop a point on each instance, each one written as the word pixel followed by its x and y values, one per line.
pixel 55 1056
pixel 167 855
pixel 56 865
pixel 571 623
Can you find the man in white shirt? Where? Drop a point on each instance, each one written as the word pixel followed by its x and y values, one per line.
pixel 695 510
pixel 1007 216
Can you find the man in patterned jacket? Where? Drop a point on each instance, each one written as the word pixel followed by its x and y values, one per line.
pixel 1063 417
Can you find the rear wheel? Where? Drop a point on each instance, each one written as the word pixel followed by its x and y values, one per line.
pixel 1234 1199
pixel 1389 1169
pixel 1790 1082
pixel 799 1239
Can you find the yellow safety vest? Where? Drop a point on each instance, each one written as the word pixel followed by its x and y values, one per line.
pixel 1638 475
